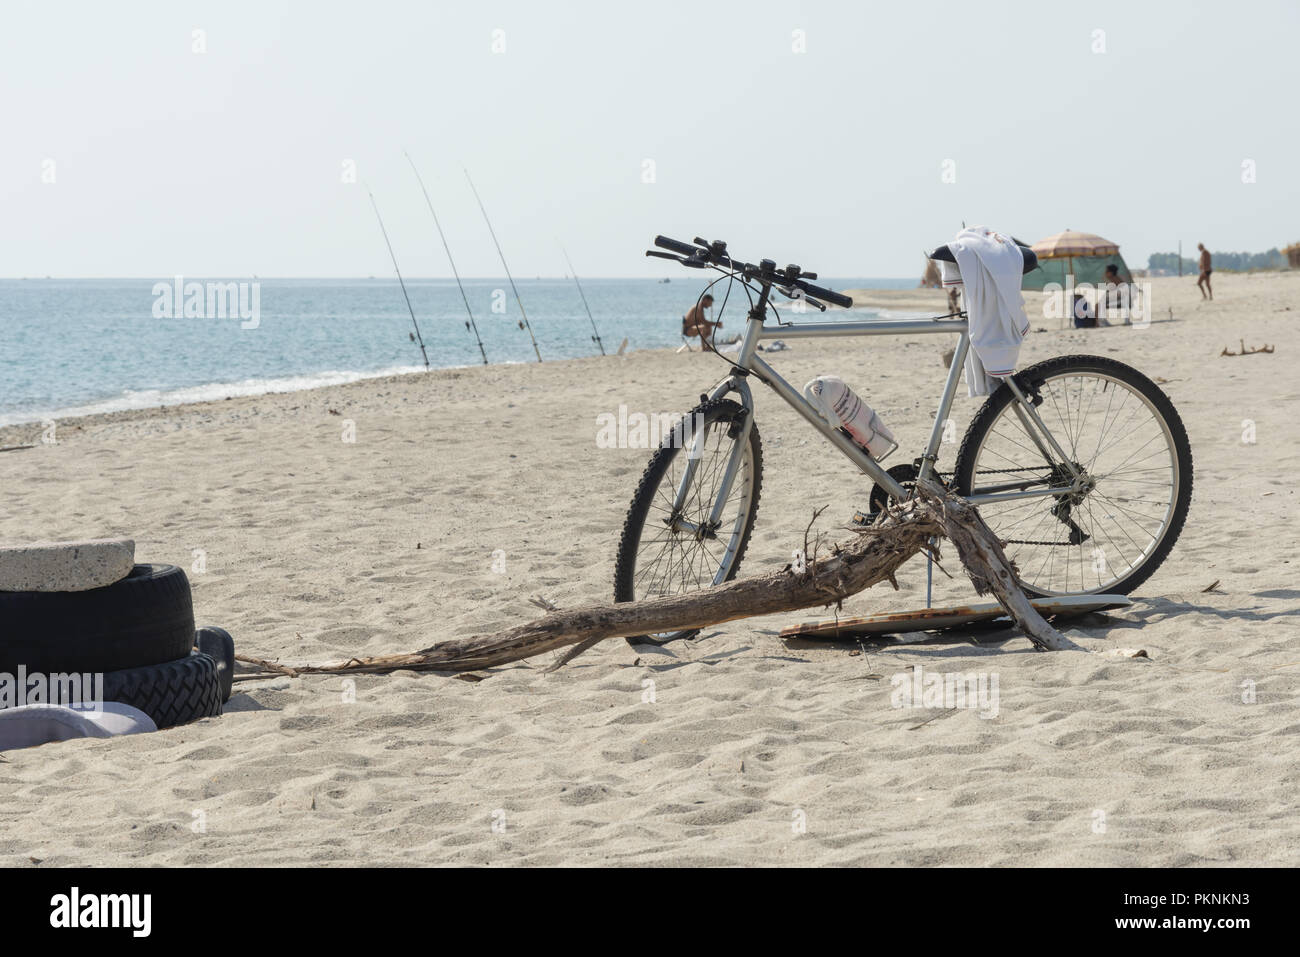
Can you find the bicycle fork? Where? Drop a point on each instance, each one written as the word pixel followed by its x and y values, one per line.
pixel 734 460
pixel 732 383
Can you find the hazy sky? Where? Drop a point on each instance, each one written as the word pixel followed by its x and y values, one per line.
pixel 229 162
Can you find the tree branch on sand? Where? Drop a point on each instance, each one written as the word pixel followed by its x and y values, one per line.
pixel 873 556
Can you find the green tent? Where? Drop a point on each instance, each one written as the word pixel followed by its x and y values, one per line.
pixel 1087 269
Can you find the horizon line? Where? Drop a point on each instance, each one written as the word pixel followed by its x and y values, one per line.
pixel 367 278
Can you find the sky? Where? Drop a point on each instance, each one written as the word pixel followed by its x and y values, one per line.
pixel 844 136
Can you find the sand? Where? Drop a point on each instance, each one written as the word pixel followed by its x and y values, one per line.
pixel 467 491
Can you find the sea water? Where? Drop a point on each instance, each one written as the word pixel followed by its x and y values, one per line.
pixel 79 346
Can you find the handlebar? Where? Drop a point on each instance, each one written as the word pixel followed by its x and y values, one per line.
pixel 684 249
pixel 827 294
pixel 704 253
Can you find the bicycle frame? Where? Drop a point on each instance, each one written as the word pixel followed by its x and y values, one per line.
pixel 748 363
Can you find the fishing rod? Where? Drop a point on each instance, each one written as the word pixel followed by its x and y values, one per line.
pixel 596 337
pixel 410 308
pixel 471 324
pixel 492 233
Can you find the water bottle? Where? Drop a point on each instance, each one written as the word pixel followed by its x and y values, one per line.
pixel 842 408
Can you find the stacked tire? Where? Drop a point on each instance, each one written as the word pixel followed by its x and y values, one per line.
pixel 138 632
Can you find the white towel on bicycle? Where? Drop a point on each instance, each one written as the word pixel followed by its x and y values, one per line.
pixel 991 265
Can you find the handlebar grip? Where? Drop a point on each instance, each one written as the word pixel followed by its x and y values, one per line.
pixel 826 294
pixel 686 249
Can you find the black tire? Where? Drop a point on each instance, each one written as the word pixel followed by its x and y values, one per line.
pixel 217 644
pixel 177 692
pixel 1170 428
pixel 718 414
pixel 146 618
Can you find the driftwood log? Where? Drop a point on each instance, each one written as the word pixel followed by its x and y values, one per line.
pixel 873 556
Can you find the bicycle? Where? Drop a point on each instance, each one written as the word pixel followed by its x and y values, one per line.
pixel 1090 505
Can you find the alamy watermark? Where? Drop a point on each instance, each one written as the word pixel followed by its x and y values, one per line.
pixel 974 690
pixel 179 299
pixel 76 909
pixel 1128 303
pixel 647 430
pixel 79 691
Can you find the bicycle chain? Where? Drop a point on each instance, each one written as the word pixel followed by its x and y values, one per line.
pixel 1017 541
pixel 1023 468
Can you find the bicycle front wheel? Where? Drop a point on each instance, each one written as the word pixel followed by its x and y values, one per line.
pixel 1118 504
pixel 671 542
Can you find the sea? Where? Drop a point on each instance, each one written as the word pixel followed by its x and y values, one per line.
pixel 81 346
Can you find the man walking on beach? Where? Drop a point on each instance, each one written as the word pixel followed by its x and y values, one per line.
pixel 1205 273
pixel 694 323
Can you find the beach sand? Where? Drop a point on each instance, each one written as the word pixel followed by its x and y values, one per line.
pixel 466 491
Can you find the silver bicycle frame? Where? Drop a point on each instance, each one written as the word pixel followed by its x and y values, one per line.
pixel 748 363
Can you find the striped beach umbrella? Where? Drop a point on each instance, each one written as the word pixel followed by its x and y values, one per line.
pixel 1071 243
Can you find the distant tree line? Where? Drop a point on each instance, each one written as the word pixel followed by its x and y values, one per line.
pixel 1236 262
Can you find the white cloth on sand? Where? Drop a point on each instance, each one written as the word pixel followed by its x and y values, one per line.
pixel 31 724
pixel 991 266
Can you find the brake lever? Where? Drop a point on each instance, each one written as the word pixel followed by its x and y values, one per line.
pixel 691 262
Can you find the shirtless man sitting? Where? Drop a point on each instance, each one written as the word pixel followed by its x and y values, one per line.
pixel 695 324
pixel 1205 273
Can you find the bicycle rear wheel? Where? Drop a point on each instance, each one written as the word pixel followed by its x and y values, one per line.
pixel 1109 530
pixel 671 551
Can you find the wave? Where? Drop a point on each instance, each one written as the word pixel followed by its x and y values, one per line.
pixel 130 399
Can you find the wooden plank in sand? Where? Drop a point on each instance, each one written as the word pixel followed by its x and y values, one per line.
pixel 933 619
